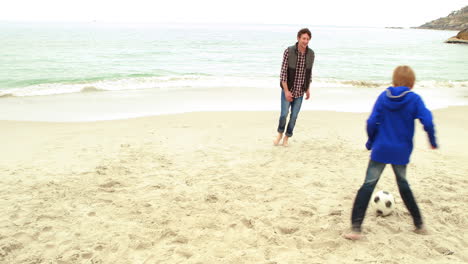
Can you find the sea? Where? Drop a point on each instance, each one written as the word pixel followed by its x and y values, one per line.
pixel 73 72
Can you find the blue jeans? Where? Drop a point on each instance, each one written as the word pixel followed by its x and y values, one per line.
pixel 295 106
pixel 374 170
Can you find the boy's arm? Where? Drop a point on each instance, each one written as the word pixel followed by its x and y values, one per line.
pixel 373 122
pixel 425 117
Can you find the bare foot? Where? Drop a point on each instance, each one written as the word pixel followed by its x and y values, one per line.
pixel 421 230
pixel 285 141
pixel 353 236
pixel 278 139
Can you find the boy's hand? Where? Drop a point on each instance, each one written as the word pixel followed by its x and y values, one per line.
pixel 307 94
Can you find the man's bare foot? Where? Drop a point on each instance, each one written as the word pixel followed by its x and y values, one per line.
pixel 421 230
pixel 278 139
pixel 353 236
pixel 285 141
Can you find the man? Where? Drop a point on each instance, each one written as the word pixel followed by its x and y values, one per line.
pixel 296 76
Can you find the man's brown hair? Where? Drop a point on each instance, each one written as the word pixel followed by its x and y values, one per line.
pixel 404 76
pixel 304 31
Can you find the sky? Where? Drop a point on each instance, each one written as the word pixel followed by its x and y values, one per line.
pixel 399 13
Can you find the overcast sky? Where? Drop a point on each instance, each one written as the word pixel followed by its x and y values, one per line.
pixel 405 13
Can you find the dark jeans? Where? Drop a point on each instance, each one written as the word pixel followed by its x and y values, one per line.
pixel 295 106
pixel 374 170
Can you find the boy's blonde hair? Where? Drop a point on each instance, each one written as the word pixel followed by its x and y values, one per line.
pixel 404 76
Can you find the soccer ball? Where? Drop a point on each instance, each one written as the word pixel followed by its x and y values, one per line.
pixel 384 203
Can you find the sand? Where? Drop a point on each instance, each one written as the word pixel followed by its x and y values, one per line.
pixel 210 187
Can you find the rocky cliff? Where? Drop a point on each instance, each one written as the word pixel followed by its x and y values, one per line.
pixel 457 20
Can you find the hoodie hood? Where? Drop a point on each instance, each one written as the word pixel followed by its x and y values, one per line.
pixel 397 97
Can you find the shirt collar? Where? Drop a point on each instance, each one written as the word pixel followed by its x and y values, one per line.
pixel 297 48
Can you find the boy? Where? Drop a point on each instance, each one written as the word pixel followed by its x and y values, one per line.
pixel 390 130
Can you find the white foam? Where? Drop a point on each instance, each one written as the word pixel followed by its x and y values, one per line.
pixel 125 98
pixel 193 82
pixel 166 83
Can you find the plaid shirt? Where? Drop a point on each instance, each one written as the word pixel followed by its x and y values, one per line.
pixel 299 79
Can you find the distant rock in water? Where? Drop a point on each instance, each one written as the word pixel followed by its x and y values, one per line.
pixel 88 89
pixel 461 37
pixel 395 27
pixel 457 20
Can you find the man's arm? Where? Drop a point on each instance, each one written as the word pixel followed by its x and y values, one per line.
pixel 311 69
pixel 285 86
pixel 284 76
pixel 310 80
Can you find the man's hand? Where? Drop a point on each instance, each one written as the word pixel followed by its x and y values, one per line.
pixel 289 96
pixel 307 94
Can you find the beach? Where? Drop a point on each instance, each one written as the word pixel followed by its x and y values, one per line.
pixel 153 143
pixel 210 187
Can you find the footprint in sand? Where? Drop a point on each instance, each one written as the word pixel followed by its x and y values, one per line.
pixel 211 198
pixel 50 246
pixel 99 247
pixel 14 216
pixel 336 212
pixel 47 229
pixel 249 223
pixel 142 245
pixel 446 209
pixel 66 242
pixel 158 186
pixel 6 247
pixel 306 213
pixel 110 184
pixel 86 255
pixel 287 230
pixel 324 244
pixel 101 170
pixel 45 217
pixel 180 240
pixel 24 237
pixel 184 252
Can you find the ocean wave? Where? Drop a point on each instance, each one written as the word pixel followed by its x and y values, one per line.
pixel 443 84
pixel 5 95
pixel 194 82
pixel 136 83
pixel 364 83
pixel 383 84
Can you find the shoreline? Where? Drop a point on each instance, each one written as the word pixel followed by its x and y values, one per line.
pixel 114 105
pixel 275 112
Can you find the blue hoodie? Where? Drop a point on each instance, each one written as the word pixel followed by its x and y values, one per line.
pixel 390 127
